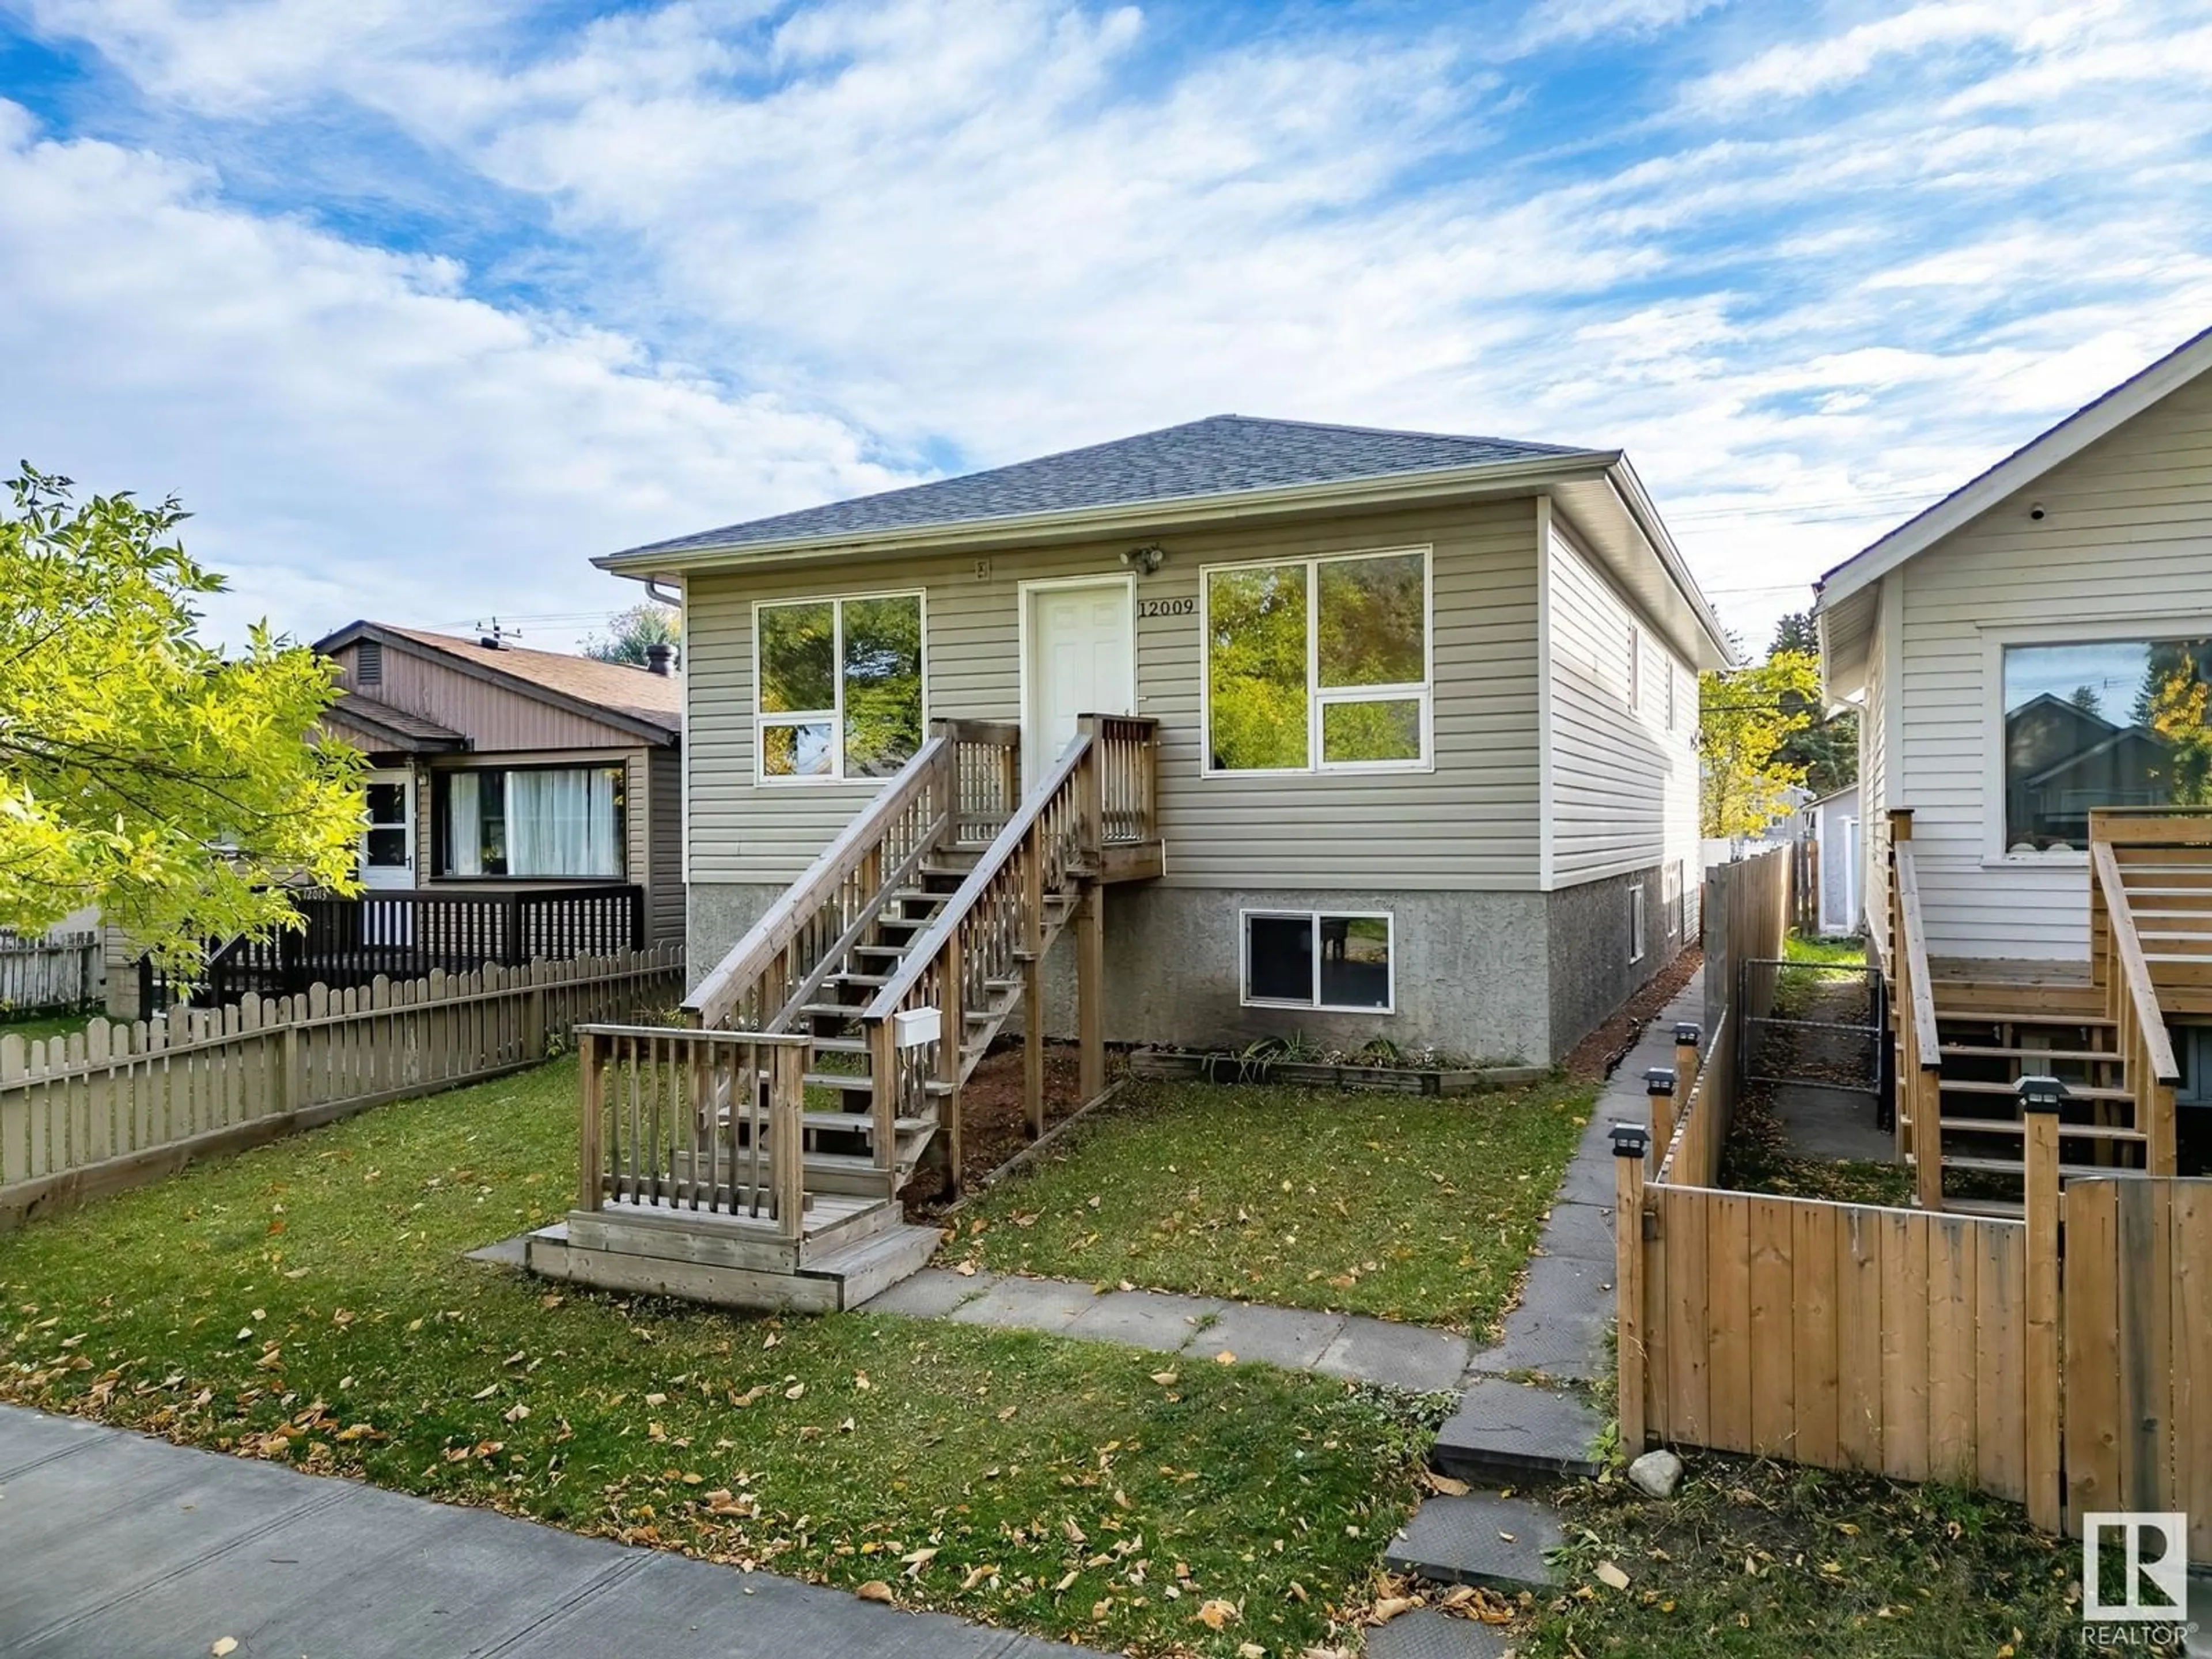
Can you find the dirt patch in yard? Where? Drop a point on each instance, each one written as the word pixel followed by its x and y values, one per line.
pixel 1596 1055
pixel 993 1126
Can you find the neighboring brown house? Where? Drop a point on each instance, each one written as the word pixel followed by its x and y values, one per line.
pixel 495 771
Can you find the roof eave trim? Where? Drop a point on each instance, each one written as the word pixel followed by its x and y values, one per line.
pixel 2021 468
pixel 1645 512
pixel 1380 489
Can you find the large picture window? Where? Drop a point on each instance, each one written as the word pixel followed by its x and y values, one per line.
pixel 2116 723
pixel 1317 959
pixel 529 822
pixel 1317 664
pixel 838 686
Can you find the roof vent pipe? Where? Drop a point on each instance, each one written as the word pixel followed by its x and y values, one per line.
pixel 656 658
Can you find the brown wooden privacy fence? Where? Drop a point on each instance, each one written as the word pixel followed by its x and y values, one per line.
pixel 116 1105
pixel 2068 1369
pixel 53 970
pixel 2138 1332
pixel 1746 917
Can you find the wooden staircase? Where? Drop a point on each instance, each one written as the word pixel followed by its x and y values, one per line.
pixel 1969 1031
pixel 825 1054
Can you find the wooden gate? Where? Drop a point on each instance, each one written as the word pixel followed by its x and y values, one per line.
pixel 2138 1317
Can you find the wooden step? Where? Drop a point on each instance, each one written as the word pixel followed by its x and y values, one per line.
pixel 851 1082
pixel 848 1010
pixel 2009 1126
pixel 1997 1209
pixel 2014 1167
pixel 894 952
pixel 1970 1051
pixel 2074 1091
pixel 859 979
pixel 841 1045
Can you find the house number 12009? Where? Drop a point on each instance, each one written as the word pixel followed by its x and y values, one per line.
pixel 1166 607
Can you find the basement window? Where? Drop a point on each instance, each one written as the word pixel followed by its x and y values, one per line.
pixel 1636 921
pixel 1318 959
pixel 838 686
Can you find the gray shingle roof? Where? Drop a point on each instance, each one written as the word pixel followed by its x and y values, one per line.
pixel 1220 455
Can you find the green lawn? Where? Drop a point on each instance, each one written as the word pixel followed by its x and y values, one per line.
pixel 1763 1561
pixel 1411 1208
pixel 1829 952
pixel 32 1027
pixel 308 1302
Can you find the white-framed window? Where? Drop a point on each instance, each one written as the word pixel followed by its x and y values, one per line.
pixel 1671 899
pixel 1674 697
pixel 2115 722
pixel 1635 667
pixel 1337 961
pixel 840 687
pixel 1636 921
pixel 534 821
pixel 1321 663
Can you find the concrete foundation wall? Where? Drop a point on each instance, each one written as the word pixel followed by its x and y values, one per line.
pixel 1588 929
pixel 1470 969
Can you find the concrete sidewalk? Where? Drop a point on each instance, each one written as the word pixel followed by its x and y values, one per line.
pixel 116 1546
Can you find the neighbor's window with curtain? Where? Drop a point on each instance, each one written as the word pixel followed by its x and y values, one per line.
pixel 1317 664
pixel 838 686
pixel 2116 723
pixel 532 821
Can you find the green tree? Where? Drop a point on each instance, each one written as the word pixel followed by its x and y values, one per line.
pixel 631 633
pixel 175 787
pixel 1826 746
pixel 1746 721
pixel 2173 703
pixel 2086 698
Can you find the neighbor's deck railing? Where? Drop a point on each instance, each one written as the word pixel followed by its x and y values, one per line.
pixel 1920 1059
pixel 2164 857
pixel 698 1122
pixel 405 934
pixel 964 778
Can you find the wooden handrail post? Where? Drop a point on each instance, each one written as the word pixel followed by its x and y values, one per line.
pixel 1659 1090
pixel 589 1154
pixel 952 1039
pixel 1630 1145
pixel 883 1091
pixel 1687 1035
pixel 1926 1138
pixel 1033 1020
pixel 1092 791
pixel 787 1138
pixel 1091 991
pixel 2039 1098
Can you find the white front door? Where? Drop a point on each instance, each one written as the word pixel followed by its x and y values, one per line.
pixel 1082 660
pixel 387 839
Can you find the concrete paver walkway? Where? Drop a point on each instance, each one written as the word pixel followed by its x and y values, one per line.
pixel 1414 1356
pixel 116 1544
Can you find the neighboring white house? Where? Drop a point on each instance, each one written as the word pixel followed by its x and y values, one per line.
pixel 2037 643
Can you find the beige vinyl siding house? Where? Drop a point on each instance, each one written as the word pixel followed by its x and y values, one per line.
pixel 2097 538
pixel 1493 949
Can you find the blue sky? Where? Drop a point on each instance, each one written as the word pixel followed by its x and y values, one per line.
pixel 420 307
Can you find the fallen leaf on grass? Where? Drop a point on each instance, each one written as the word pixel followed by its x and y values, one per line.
pixel 795 1391
pixel 1216 1614
pixel 876 1591
pixel 976 1575
pixel 1224 1357
pixel 919 1559
pixel 1391 1606
pixel 1166 1379
pixel 965 1269
pixel 486 1392
pixel 1062 1587
pixel 1611 1576
pixel 1444 1484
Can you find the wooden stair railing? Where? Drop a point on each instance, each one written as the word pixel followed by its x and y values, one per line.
pixel 702 1123
pixel 1920 1059
pixel 2123 969
pixel 983 952
pixel 961 779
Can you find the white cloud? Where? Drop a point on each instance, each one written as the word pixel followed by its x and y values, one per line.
pixel 1014 224
pixel 354 434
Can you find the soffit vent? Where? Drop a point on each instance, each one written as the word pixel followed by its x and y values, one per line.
pixel 369 663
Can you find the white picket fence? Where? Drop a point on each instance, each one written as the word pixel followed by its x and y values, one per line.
pixel 116 1105
pixel 55 970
